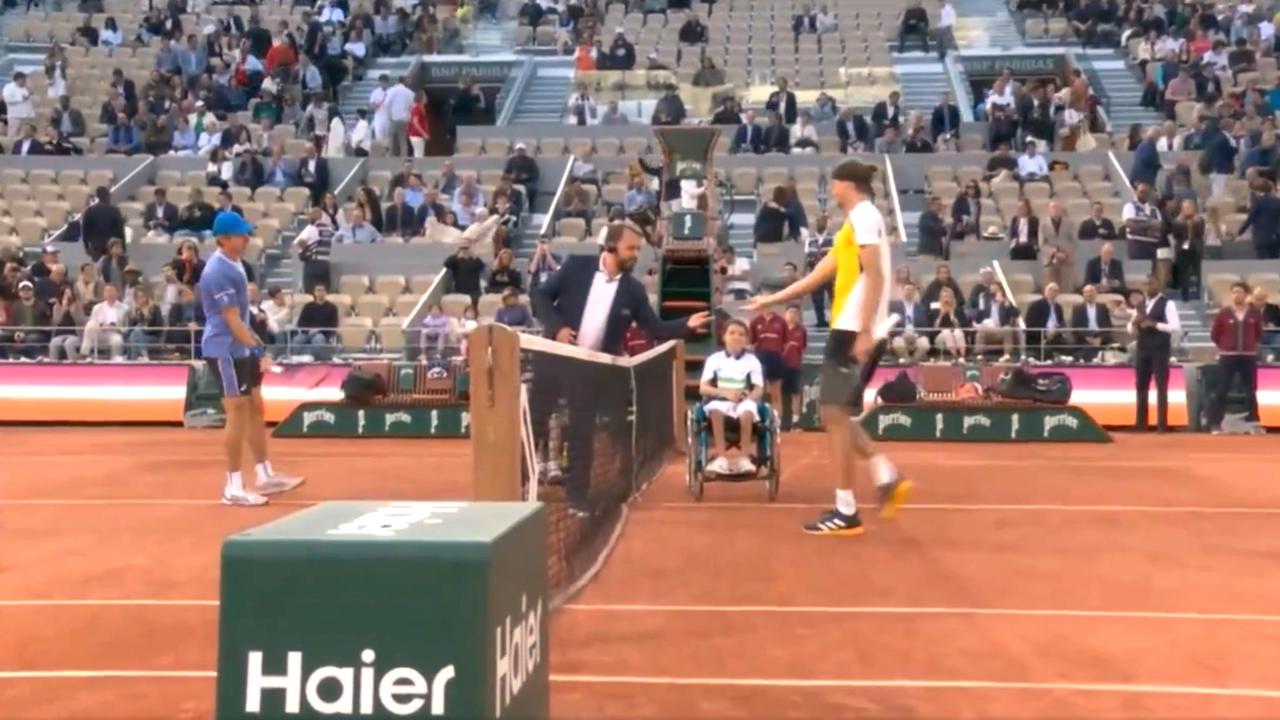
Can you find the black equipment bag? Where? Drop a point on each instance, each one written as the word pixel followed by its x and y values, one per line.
pixel 1053 388
pixel 901 390
pixel 363 387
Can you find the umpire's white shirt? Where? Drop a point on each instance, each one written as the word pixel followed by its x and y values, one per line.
pixel 595 316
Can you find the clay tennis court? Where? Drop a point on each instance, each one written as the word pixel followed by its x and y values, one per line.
pixel 1132 580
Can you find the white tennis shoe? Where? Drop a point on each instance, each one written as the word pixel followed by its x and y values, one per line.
pixel 278 483
pixel 246 498
pixel 720 466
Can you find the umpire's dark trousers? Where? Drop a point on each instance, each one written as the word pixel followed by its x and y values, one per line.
pixel 1229 367
pixel 1153 364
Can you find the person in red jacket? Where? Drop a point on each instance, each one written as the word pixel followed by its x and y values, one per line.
pixel 1237 329
pixel 768 337
pixel 419 125
pixel 797 340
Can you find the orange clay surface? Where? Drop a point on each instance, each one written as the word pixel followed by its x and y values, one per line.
pixel 1132 580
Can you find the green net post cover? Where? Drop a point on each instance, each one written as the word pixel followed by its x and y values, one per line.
pixel 387 610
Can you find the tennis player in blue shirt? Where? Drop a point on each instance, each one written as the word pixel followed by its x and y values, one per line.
pixel 236 358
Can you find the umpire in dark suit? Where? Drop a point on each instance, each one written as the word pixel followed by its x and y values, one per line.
pixel 1155 323
pixel 590 302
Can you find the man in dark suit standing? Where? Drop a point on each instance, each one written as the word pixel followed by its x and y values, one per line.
pixel 128 89
pixel 1092 324
pixel 313 173
pixel 783 102
pixel 1046 324
pixel 590 302
pixel 934 233
pixel 1264 218
pixel 160 215
pixel 887 113
pixel 946 119
pixel 1155 323
pixel 749 137
pixel 100 222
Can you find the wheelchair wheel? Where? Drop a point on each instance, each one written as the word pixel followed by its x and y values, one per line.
pixel 773 476
pixel 693 471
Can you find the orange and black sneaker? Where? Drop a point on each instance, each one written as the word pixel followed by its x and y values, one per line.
pixel 835 523
pixel 893 495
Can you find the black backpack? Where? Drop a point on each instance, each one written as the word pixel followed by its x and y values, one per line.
pixel 901 390
pixel 1053 388
pixel 363 387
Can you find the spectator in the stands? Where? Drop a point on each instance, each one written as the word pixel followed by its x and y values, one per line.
pixel 17 99
pixel 1260 160
pixel 669 110
pixel 513 313
pixel 337 214
pixel 196 217
pixel 852 130
pixel 1270 313
pixel 438 331
pixel 106 325
pixel 966 212
pixel 187 265
pixel 736 274
pixel 67 316
pixel 944 123
pixel 68 120
pixel 145 326
pixel 804 136
pixel 948 324
pixel 1001 163
pixel 184 321
pixel 914 23
pixel 123 138
pixel 1091 322
pixel 1264 220
pixel 44 267
pixel 402 178
pixel 1219 154
pixel 613 116
pixel 466 271
pixel 1024 233
pixel 419 130
pixel 771 220
pixel 917 141
pixel 709 76
pixel 749 137
pixel 621 55
pixel 250 171
pixel 504 274
pixel 1058 236
pixel 887 113
pixel 1146 159
pixel 317 325
pixel 889 143
pixel 693 31
pixel 1187 231
pixel 358 232
pixel 29 320
pixel 313 173
pixel 979 302
pixel 1032 165
pixel 942 279
pixel 783 102
pixel 804 22
pixel 933 230
pixel 1046 325
pixel 160 216
pixel 1180 89
pixel 400 219
pixel 824 109
pixel 909 338
pixel 99 223
pixel 639 198
pixel 1105 272
pixel 88 287
pixel 524 172
pixel 776 137
pixel 1097 226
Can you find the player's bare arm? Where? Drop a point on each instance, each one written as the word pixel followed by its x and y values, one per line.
pixel 821 274
pixel 873 276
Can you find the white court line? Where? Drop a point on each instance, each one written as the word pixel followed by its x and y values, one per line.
pixel 1039 507
pixel 1119 688
pixel 873 610
pixel 742 609
pixel 156 501
pixel 792 683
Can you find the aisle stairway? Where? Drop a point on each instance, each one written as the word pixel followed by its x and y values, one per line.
pixel 985 24
pixel 355 95
pixel 1117 84
pixel 543 99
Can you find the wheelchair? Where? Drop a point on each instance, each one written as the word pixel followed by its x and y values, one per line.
pixel 766 456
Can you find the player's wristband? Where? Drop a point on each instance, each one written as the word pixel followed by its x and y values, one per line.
pixel 257 351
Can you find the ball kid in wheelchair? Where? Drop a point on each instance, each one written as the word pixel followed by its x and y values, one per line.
pixel 733 433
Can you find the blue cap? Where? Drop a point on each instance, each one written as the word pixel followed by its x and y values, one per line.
pixel 230 223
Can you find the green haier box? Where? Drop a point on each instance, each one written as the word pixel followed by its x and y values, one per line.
pixel 387 610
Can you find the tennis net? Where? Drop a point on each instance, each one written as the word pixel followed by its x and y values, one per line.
pixel 596 430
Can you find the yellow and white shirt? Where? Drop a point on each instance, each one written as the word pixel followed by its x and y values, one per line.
pixel 865 226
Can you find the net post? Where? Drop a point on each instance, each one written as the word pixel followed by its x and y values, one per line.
pixel 679 403
pixel 493 356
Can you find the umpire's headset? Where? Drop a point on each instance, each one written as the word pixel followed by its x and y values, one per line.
pixel 614 235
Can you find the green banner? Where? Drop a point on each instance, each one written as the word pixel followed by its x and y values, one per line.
pixel 983 424
pixel 326 419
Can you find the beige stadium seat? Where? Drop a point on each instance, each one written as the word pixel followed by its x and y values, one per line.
pixel 454 303
pixel 469 147
pixel 30 231
pixel 100 178
pixel 12 178
pixel 240 195
pixel 390 285
pixel 551 147
pixel 488 305
pixel 343 301
pixel 575 228
pixel 17 192
pixel 168 178
pixel 353 285
pixel 373 305
pixel 1268 281
pixel 404 304
pixel 268 231
pixel 1219 285
pixel 267 195
pixel 46 193
pixel 354 332
pixel 391 334
pixel 55 214
pixel 41 177
pixel 419 284
pixel 745 181
pixel 195 178
pixel 71 178
pixel 608 147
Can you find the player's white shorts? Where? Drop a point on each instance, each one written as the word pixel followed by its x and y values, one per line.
pixel 747 408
